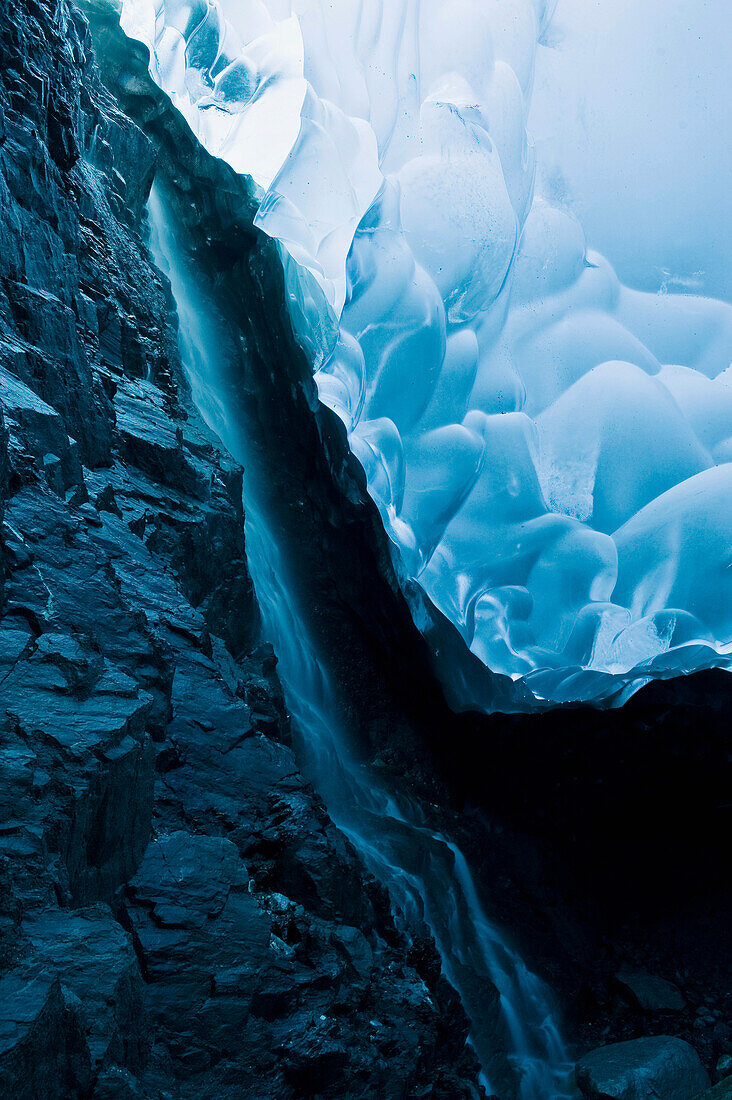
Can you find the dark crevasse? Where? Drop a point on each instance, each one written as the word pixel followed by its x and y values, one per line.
pixel 517 1039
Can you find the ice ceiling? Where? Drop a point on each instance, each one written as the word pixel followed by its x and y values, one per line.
pixel 550 451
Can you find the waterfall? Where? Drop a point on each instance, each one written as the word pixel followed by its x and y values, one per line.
pixel 426 874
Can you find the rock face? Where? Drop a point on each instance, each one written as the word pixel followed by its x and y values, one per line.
pixel 178 915
pixel 656 1068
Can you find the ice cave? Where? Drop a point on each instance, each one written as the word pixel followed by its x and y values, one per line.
pixel 365 549
pixel 550 449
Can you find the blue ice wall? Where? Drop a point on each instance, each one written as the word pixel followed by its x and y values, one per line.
pixel 550 448
pixel 632 118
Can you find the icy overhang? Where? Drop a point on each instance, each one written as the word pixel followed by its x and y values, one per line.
pixel 550 451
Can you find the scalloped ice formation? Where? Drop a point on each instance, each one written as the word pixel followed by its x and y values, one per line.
pixel 550 451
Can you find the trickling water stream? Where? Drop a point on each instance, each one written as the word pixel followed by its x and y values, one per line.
pixel 426 874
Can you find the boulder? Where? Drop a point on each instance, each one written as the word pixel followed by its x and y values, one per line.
pixel 721 1091
pixel 658 1067
pixel 648 992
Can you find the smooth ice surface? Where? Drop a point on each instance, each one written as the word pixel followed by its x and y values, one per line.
pixel 631 115
pixel 551 452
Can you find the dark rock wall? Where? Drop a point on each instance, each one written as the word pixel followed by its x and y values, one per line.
pixel 178 916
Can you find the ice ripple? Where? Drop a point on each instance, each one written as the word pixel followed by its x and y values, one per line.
pixel 550 451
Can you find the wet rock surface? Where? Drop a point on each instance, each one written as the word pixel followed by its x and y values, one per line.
pixel 722 1091
pixel 659 1066
pixel 648 992
pixel 178 915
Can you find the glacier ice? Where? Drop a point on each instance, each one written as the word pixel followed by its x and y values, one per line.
pixel 550 451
